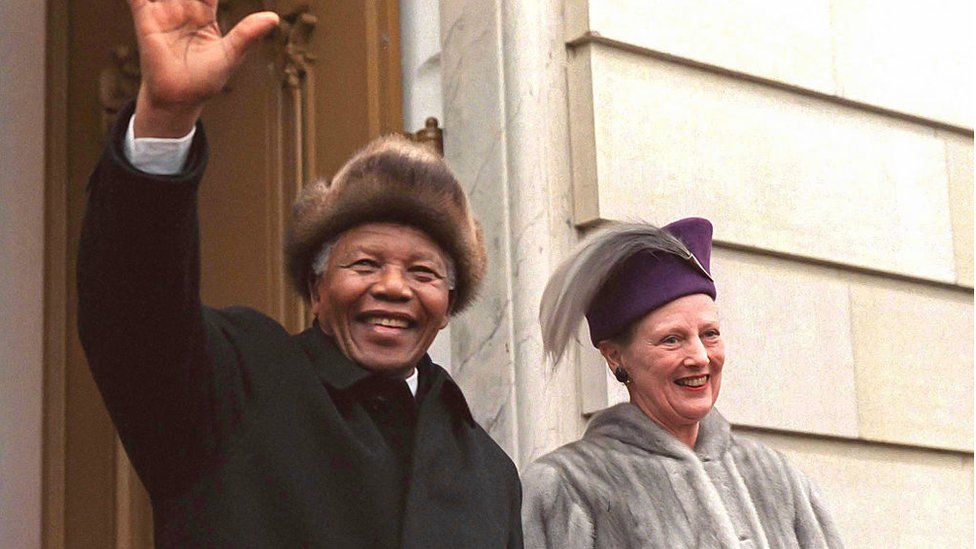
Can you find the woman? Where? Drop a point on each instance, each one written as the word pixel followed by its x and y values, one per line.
pixel 663 470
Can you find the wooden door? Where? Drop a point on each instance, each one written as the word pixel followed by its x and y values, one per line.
pixel 321 87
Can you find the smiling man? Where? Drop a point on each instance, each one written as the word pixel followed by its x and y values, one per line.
pixel 345 435
pixel 383 294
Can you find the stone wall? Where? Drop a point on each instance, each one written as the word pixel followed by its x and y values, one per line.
pixel 830 143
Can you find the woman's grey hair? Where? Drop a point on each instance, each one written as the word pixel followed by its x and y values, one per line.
pixel 576 281
pixel 321 261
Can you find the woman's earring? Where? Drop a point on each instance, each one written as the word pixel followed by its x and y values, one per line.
pixel 622 375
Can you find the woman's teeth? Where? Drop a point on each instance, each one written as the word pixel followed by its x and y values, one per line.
pixel 389 322
pixel 693 381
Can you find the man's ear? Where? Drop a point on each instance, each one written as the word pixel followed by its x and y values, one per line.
pixel 313 293
pixel 451 299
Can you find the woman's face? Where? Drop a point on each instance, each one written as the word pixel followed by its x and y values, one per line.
pixel 674 359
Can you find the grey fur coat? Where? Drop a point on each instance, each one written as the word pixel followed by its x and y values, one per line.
pixel 629 483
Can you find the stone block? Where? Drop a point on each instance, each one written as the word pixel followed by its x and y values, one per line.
pixel 959 160
pixel 789 363
pixel 907 57
pixel 895 56
pixel 787 42
pixel 773 170
pixel 882 496
pixel 913 351
pixel 582 137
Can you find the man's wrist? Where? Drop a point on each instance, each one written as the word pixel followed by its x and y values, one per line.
pixel 157 155
pixel 163 121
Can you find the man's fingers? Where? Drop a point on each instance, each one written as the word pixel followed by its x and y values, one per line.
pixel 249 31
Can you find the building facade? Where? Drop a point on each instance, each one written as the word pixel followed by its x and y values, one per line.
pixel 830 142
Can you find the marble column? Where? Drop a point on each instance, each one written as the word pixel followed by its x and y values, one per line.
pixel 506 135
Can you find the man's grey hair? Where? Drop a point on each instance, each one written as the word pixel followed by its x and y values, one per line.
pixel 322 261
pixel 578 279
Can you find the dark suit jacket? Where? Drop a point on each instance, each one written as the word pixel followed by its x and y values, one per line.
pixel 246 436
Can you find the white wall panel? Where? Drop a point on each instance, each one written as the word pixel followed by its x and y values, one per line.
pixel 773 170
pixel 787 331
pixel 913 347
pixel 915 59
pixel 959 160
pixel 783 41
pixel 887 496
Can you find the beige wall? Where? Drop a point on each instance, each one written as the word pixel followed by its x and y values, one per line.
pixel 831 144
pixel 901 57
pixel 22 33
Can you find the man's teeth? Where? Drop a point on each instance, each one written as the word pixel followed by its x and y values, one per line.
pixel 389 322
pixel 693 381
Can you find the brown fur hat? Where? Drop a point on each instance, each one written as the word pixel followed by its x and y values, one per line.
pixel 390 180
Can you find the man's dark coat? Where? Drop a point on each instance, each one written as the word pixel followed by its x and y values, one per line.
pixel 246 436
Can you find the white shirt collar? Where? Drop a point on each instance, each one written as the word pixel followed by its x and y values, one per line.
pixel 412 382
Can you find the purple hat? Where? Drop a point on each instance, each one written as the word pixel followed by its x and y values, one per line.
pixel 645 281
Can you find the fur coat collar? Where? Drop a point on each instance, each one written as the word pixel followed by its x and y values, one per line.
pixel 630 483
pixel 627 424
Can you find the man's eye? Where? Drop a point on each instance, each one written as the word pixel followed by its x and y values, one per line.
pixel 423 274
pixel 711 334
pixel 670 340
pixel 363 265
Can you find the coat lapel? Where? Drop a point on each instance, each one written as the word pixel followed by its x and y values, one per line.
pixel 332 367
pixel 447 485
pixel 444 480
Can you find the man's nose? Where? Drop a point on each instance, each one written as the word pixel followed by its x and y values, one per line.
pixel 392 284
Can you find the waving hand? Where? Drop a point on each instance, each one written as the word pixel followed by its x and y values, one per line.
pixel 185 60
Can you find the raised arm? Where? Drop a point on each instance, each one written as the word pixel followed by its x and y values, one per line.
pixel 149 345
